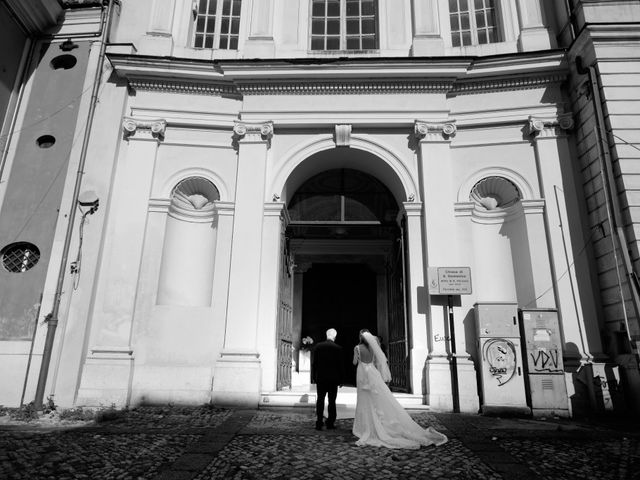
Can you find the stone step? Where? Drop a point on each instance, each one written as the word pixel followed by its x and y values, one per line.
pixel 347 396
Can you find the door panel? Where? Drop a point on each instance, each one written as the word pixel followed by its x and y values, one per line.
pixel 398 349
pixel 285 316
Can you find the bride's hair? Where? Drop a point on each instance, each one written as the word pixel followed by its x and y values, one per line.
pixel 362 339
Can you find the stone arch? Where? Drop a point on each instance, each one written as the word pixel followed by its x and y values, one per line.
pixel 363 154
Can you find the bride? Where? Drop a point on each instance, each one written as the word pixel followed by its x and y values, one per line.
pixel 380 420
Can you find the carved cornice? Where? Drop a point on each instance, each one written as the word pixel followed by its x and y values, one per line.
pixel 153 128
pixel 247 132
pixel 463 87
pixel 218 88
pixel 343 87
pixel 550 126
pixel 434 131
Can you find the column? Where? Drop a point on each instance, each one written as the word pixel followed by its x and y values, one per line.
pixel 534 34
pixel 577 312
pixel 107 369
pixel 434 139
pixel 260 42
pixel 237 373
pixel 159 37
pixel 427 38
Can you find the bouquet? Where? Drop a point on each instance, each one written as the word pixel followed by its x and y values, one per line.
pixel 306 343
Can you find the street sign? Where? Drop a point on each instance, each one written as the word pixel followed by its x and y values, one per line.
pixel 449 280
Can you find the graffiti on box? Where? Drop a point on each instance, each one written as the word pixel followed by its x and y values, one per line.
pixel 500 355
pixel 544 360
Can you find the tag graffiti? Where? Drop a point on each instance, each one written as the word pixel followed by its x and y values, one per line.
pixel 545 360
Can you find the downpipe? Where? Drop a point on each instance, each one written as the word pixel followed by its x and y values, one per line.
pixel 52 322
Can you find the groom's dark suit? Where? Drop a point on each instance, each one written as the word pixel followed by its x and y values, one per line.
pixel 328 374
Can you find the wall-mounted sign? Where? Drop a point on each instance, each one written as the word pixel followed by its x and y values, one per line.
pixel 449 280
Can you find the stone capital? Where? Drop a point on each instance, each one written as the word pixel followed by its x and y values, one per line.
pixel 551 126
pixel 246 132
pixel 434 131
pixel 148 128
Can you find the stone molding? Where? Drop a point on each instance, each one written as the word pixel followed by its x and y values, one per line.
pixel 551 126
pixel 152 128
pixel 434 131
pixel 247 132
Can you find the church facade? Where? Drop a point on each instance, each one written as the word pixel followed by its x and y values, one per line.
pixel 236 176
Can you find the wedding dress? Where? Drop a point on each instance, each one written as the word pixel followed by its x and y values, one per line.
pixel 380 420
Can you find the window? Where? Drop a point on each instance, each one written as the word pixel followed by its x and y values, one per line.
pixel 473 22
pixel 344 24
pixel 19 257
pixel 217 24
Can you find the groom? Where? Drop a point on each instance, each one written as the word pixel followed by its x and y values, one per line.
pixel 328 374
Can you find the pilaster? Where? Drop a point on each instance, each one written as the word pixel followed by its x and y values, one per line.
pixel 237 373
pixel 534 34
pixel 577 312
pixel 107 369
pixel 260 42
pixel 427 38
pixel 158 40
pixel 434 155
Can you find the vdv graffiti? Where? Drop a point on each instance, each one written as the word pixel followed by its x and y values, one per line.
pixel 545 360
pixel 500 355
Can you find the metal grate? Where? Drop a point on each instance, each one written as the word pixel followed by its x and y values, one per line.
pixel 20 257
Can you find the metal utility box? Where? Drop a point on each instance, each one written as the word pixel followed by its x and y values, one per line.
pixel 544 365
pixel 500 357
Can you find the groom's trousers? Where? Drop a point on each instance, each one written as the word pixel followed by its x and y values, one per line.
pixel 329 390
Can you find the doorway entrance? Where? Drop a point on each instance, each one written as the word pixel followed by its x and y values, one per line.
pixel 345 241
pixel 340 296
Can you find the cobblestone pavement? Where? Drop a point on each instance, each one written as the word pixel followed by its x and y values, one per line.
pixel 166 443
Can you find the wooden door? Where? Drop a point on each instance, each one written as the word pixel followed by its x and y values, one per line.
pixel 285 315
pixel 398 347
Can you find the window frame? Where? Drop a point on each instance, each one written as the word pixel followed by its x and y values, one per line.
pixel 473 27
pixel 343 35
pixel 217 35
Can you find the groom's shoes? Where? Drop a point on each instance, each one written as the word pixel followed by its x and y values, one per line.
pixel 331 426
pixel 319 426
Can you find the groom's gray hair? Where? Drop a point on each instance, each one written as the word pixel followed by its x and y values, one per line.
pixel 331 334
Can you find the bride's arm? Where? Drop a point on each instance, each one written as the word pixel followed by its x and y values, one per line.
pixel 356 355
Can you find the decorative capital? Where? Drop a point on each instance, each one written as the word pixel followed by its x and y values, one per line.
pixel 153 128
pixel 253 132
pixel 434 131
pixel 343 135
pixel 550 126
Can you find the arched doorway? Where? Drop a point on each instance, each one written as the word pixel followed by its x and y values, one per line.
pixel 347 246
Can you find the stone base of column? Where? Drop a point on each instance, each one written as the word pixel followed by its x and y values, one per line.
pixel 155 44
pixel 533 39
pixel 258 47
pixel 237 379
pixel 468 398
pixel 427 46
pixel 106 378
pixel 439 388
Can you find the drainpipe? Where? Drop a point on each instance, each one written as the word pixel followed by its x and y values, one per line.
pixel 617 225
pixel 52 322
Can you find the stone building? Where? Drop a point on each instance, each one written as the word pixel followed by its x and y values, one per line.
pixel 189 188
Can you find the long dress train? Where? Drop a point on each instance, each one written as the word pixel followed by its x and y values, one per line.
pixel 381 421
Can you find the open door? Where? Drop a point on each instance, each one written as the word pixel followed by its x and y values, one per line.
pixel 285 314
pixel 398 345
